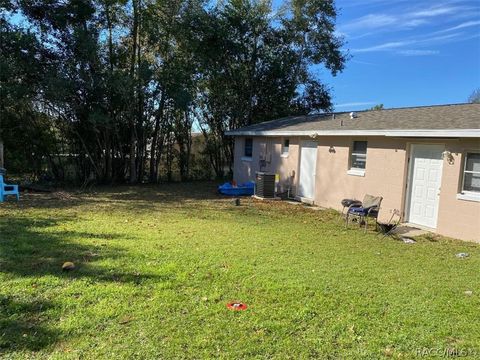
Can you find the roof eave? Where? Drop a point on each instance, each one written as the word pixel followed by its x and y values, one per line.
pixel 466 133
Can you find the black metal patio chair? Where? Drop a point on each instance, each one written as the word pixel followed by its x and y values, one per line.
pixel 368 208
pixel 388 228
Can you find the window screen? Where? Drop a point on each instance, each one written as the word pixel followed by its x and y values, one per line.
pixel 359 155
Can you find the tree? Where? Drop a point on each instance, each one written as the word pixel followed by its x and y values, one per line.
pixel 255 67
pixel 25 130
pixel 377 107
pixel 113 88
pixel 474 97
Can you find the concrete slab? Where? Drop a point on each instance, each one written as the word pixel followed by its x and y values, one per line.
pixel 304 200
pixel 316 208
pixel 305 205
pixel 408 230
pixel 276 198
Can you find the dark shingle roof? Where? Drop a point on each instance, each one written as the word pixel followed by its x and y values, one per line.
pixel 439 117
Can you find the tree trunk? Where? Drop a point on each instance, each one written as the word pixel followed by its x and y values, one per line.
pixel 140 107
pixel 153 150
pixel 108 159
pixel 108 136
pixel 133 130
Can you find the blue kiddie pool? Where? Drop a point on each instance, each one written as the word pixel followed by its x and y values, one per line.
pixel 245 189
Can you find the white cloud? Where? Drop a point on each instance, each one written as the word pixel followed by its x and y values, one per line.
pixel 434 11
pixel 407 20
pixel 418 52
pixel 361 62
pixel 371 21
pixel 437 23
pixel 395 45
pixel 460 26
pixel 414 23
pixel 382 47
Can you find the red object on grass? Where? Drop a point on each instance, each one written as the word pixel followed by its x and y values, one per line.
pixel 237 306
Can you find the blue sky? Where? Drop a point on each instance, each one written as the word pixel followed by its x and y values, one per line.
pixel 407 53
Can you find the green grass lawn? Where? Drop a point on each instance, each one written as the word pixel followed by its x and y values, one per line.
pixel 156 266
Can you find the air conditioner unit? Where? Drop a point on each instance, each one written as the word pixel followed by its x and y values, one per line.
pixel 265 185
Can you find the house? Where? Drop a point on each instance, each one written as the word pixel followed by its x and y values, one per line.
pixel 424 161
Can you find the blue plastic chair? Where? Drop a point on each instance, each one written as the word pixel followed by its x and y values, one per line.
pixel 7 189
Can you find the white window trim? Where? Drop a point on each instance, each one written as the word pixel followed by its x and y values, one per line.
pixel 246 158
pixel 469 196
pixel 465 194
pixel 356 172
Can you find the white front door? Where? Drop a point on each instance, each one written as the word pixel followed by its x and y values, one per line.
pixel 425 179
pixel 308 164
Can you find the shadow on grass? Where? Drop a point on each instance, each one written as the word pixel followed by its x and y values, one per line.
pixel 170 195
pixel 34 248
pixel 191 199
pixel 21 325
pixel 129 197
pixel 169 192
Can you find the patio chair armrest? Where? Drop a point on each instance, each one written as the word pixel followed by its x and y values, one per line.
pixel 372 209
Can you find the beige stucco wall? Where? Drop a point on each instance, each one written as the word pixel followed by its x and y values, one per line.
pixel 385 175
pixel 457 218
pixel 285 166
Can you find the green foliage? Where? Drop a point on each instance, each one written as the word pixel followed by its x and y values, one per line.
pixel 377 107
pixel 25 129
pixel 155 267
pixel 123 82
pixel 255 67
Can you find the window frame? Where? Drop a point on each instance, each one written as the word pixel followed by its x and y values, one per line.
pixel 245 156
pixel 285 153
pixel 465 171
pixel 356 170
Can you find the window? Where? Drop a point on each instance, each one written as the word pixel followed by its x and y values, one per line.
pixel 358 159
pixel 286 146
pixel 471 173
pixel 248 148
